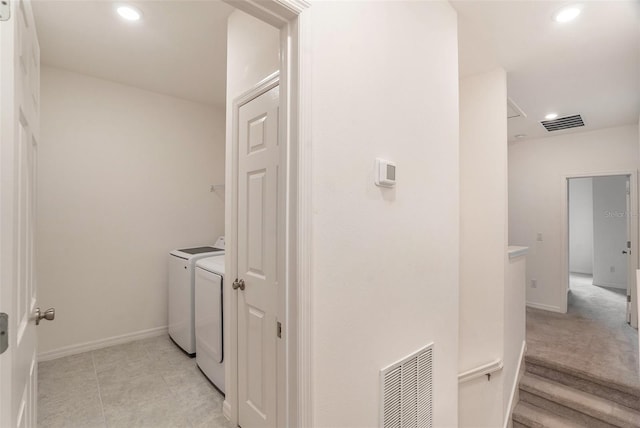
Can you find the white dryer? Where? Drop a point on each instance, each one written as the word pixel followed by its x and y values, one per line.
pixel 209 319
pixel 181 293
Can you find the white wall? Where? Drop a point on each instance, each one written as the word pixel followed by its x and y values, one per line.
pixel 123 177
pixel 581 225
pixel 536 170
pixel 514 327
pixel 253 53
pixel 483 242
pixel 610 231
pixel 385 261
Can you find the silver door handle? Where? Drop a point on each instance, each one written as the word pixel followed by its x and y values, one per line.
pixel 238 284
pixel 48 315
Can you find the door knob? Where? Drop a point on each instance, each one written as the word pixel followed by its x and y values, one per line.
pixel 48 315
pixel 238 284
pixel 624 252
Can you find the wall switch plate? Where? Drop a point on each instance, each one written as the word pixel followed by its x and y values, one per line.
pixel 539 238
pixel 385 173
pixel 534 283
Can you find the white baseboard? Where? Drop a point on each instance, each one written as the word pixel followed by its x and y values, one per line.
pixel 611 285
pixel 581 273
pixel 545 307
pixel 65 351
pixel 513 397
pixel 226 410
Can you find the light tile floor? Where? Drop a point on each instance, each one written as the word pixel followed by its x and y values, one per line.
pixel 148 383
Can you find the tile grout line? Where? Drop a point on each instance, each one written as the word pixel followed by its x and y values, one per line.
pixel 173 392
pixel 95 371
pixel 169 366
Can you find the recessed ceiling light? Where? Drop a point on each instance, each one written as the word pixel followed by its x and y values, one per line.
pixel 567 14
pixel 129 13
pixel 551 116
pixel 520 135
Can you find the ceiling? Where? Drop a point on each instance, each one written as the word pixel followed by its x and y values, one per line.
pixel 590 66
pixel 178 47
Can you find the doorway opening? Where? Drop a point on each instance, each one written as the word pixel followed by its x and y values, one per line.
pixel 184 148
pixel 600 263
pixel 600 246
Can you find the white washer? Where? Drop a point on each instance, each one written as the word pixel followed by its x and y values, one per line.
pixel 181 292
pixel 209 319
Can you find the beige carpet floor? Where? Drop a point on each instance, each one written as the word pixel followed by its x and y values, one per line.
pixel 593 337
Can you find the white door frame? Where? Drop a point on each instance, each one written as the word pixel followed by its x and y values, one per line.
pixel 635 251
pixel 294 388
pixel 7 221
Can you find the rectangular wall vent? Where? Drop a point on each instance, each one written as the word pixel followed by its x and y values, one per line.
pixel 407 391
pixel 560 123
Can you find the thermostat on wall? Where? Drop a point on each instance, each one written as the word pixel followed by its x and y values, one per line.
pixel 385 173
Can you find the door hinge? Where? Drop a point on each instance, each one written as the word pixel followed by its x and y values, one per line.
pixel 628 244
pixel 628 298
pixel 4 332
pixel 5 10
pixel 279 330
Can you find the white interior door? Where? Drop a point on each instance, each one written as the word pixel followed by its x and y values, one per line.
pixel 19 127
pixel 632 257
pixel 259 219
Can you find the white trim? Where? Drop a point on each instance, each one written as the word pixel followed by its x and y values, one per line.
pixel 575 272
pixel 480 371
pixel 304 237
pixel 226 410
pixel 513 397
pixel 635 262
pixel 79 348
pixel 611 285
pixel 564 235
pixel 517 251
pixel 638 303
pixel 260 88
pixel 278 13
pixel 545 307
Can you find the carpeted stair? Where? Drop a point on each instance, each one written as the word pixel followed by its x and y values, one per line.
pixel 555 395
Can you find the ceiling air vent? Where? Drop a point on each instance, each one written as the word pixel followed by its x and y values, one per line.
pixel 560 123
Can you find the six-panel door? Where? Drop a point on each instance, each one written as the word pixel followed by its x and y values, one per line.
pixel 259 174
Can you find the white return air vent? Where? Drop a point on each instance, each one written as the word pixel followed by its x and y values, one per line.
pixel 560 123
pixel 407 391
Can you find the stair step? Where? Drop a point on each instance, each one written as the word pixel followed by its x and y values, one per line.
pixel 553 407
pixel 626 394
pixel 530 416
pixel 587 409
